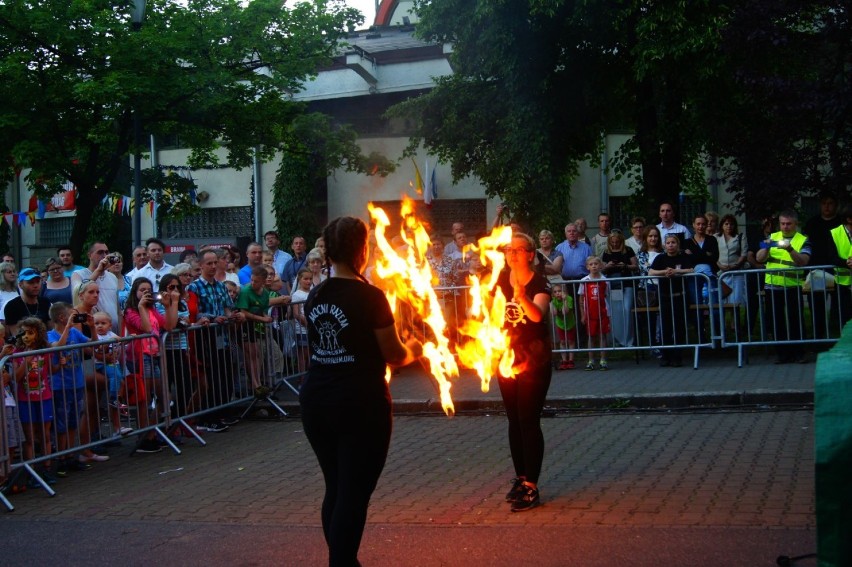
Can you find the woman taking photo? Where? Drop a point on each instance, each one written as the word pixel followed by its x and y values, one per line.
pixel 57 286
pixel 671 266
pixel 527 305
pixel 345 400
pixel 620 262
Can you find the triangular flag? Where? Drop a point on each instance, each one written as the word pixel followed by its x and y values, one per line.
pixel 41 210
pixel 418 179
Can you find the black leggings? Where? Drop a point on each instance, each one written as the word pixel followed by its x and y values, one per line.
pixel 351 445
pixel 524 397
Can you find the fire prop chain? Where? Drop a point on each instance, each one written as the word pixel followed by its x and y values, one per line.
pixel 407 279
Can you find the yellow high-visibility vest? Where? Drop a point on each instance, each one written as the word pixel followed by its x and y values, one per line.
pixel 842 276
pixel 780 258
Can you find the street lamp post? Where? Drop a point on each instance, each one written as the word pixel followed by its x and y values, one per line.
pixel 137 15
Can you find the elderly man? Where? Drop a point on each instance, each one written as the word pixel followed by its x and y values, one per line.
pixel 156 267
pixel 787 248
pixel 669 226
pixel 574 252
pixel 215 305
pixel 29 304
pixel 107 282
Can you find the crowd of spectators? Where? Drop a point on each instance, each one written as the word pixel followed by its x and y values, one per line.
pixel 601 288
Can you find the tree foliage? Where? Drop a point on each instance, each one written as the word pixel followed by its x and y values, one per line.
pixel 314 147
pixel 213 72
pixel 782 114
pixel 537 83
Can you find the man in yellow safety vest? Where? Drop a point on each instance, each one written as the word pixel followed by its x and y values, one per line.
pixel 788 249
pixel 842 240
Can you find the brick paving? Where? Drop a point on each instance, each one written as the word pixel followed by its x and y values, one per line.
pixel 665 481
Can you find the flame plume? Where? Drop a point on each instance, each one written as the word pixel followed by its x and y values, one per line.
pixel 407 279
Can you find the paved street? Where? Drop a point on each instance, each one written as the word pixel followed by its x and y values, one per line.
pixel 682 487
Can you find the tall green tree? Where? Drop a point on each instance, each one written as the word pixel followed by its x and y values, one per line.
pixel 537 83
pixel 314 147
pixel 782 114
pixel 215 73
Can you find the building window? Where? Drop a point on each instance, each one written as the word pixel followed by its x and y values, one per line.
pixel 233 222
pixel 54 231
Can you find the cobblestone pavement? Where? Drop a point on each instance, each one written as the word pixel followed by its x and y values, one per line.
pixel 659 488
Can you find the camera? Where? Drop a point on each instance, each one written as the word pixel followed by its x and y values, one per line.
pixel 11 340
pixel 113 259
pixel 158 297
pixel 80 318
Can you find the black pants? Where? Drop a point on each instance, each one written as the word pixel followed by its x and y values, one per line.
pixel 218 367
pixel 673 318
pixel 351 444
pixel 179 379
pixel 785 311
pixel 524 397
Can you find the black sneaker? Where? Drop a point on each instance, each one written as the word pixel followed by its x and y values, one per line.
pixel 527 500
pixel 516 491
pixel 148 446
pixel 213 427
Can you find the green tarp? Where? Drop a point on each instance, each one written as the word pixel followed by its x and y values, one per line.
pixel 833 425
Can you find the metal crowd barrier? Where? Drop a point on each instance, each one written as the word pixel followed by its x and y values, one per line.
pixel 199 371
pixel 637 317
pixel 807 314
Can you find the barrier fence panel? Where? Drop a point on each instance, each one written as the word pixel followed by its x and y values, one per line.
pixel 632 314
pixel 212 368
pixel 5 457
pixel 787 308
pixel 73 398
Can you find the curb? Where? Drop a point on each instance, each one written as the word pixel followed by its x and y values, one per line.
pixel 626 401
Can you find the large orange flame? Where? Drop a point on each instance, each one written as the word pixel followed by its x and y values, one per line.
pixel 407 279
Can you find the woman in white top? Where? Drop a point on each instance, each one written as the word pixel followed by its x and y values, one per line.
pixel 733 252
pixel 8 284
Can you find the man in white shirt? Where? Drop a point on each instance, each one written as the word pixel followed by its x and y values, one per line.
pixel 156 267
pixel 669 226
pixel 451 247
pixel 107 282
pixel 600 240
pixel 140 259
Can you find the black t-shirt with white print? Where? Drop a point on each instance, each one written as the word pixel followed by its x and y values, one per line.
pixel 346 365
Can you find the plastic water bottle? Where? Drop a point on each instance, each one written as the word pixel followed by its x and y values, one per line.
pixel 705 294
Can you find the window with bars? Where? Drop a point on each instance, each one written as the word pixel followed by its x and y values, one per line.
pixel 53 232
pixel 213 223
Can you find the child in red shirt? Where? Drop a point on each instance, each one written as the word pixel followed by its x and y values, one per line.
pixel 593 309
